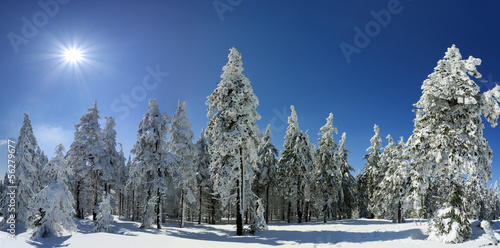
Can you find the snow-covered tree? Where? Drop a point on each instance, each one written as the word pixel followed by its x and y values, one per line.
pixel 181 145
pixel 104 217
pixel 448 142
pixel 235 136
pixel 202 162
pixel 51 210
pixel 491 203
pixel 149 166
pixel 328 181
pixel 29 164
pixel 371 176
pixel 347 196
pixel 296 167
pixel 85 157
pixel 389 199
pixel 113 169
pixel 266 168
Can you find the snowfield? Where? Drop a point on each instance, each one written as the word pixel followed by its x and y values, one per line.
pixel 343 233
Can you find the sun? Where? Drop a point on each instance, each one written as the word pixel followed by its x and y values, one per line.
pixel 73 55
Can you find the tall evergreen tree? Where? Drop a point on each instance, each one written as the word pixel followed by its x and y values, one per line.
pixel 181 145
pixel 202 162
pixel 295 167
pixel 347 196
pixel 448 142
pixel 235 136
pixel 29 164
pixel 371 176
pixel 328 181
pixel 85 157
pixel 389 199
pixel 266 168
pixel 149 165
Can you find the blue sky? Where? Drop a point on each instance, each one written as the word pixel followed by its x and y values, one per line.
pixel 172 50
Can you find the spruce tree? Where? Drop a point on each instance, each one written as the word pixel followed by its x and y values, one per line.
pixel 448 143
pixel 234 136
pixel 371 175
pixel 328 181
pixel 347 196
pixel 390 198
pixel 295 167
pixel 266 172
pixel 202 162
pixel 149 167
pixel 51 210
pixel 181 145
pixel 85 156
pixel 29 164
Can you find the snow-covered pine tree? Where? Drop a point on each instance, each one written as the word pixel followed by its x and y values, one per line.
pixel 104 216
pixel 371 176
pixel 181 145
pixel 295 167
pixel 448 142
pixel 389 199
pixel 202 162
pixel 28 160
pixel 328 180
pixel 149 166
pixel 347 196
pixel 84 156
pixel 266 169
pixel 51 210
pixel 375 203
pixel 114 171
pixel 235 136
pixel 492 203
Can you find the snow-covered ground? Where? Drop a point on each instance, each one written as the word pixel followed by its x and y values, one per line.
pixel 344 233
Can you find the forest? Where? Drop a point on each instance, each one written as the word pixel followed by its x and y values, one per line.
pixel 234 172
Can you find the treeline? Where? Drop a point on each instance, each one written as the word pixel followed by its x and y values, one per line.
pixel 233 171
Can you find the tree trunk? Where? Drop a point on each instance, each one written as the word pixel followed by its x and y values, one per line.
pixel 94 205
pixel 183 208
pixel 240 198
pixel 299 211
pixel 400 217
pixel 239 217
pixel 267 205
pixel 78 212
pixel 158 212
pixel 199 214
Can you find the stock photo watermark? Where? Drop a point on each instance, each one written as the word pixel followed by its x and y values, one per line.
pixel 138 93
pixel 222 7
pixel 279 122
pixel 363 37
pixel 29 27
pixel 11 190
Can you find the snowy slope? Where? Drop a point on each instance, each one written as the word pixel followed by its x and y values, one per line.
pixel 345 233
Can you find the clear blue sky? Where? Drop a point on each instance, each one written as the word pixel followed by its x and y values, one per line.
pixel 291 54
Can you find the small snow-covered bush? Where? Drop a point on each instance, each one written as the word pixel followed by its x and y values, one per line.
pixel 450 224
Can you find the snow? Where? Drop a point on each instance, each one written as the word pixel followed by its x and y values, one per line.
pixel 344 233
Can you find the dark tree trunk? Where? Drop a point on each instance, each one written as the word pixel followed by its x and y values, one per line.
pixel 239 218
pixel 79 214
pixel 94 203
pixel 158 212
pixel 267 205
pixel 199 214
pixel 400 217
